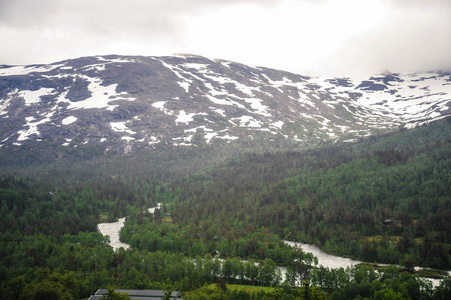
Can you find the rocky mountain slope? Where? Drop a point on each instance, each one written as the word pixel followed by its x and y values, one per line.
pixel 130 102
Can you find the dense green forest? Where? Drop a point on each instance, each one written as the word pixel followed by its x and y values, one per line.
pixel 225 214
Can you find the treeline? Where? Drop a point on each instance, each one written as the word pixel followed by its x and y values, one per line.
pixel 158 165
pixel 353 283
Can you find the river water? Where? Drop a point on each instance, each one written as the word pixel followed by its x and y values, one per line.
pixel 113 229
pixel 324 259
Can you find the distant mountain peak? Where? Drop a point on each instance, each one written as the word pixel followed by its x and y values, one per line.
pixel 185 100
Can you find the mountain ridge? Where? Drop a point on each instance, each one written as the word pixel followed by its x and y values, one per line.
pixel 128 102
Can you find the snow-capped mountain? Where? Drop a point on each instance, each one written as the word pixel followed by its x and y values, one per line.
pixel 187 100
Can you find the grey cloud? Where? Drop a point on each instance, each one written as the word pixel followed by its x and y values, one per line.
pixel 107 16
pixel 418 4
pixel 410 40
pixel 38 9
pixel 415 36
pixel 25 13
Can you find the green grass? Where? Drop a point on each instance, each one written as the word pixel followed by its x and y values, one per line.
pixel 250 288
pixel 213 291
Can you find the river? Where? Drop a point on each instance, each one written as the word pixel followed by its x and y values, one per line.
pixel 324 259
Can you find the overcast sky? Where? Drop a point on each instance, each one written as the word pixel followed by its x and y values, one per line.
pixel 309 37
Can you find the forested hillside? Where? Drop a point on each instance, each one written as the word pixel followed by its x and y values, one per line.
pixel 383 199
pixel 337 197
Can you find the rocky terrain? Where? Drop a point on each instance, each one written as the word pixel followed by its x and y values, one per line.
pixel 131 102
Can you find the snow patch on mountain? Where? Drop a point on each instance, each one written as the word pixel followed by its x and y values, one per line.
pixel 184 83
pixel 183 141
pixel 25 134
pixel 69 120
pixel 228 137
pixel 116 60
pixel 225 102
pixel 25 70
pixel 258 107
pixel 278 124
pixel 101 96
pixel 247 121
pixel 67 143
pixel 209 136
pixel 160 105
pixel 219 111
pixel 121 127
pixel 186 118
pixel 32 97
pixel 97 67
